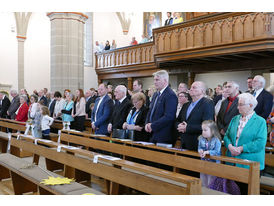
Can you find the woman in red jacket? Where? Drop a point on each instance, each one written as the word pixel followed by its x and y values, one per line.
pixel 22 112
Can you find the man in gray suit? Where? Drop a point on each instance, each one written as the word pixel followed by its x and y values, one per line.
pixel 15 103
pixel 229 107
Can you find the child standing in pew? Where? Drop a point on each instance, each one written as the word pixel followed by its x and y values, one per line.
pixel 46 122
pixel 209 143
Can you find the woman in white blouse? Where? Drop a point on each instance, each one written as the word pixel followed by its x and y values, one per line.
pixel 34 116
pixel 59 105
pixel 79 111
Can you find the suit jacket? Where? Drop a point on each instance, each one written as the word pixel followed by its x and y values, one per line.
pixel 51 107
pixel 120 113
pixel 217 98
pixel 103 115
pixel 140 121
pixel 22 115
pixel 4 107
pixel 43 100
pixel 163 117
pixel 264 106
pixel 223 119
pixel 168 21
pixel 204 110
pixel 253 139
pixel 90 100
pixel 15 103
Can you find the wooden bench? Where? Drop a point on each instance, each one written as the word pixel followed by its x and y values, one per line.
pixel 27 177
pixel 116 172
pixel 176 158
pixel 267 183
pixel 58 124
pixel 15 126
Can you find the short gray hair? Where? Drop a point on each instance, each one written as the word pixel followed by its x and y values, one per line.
pixel 71 96
pixel 203 86
pixel 163 74
pixel 235 84
pixel 122 88
pixel 24 97
pixel 13 91
pixel 249 99
pixel 260 79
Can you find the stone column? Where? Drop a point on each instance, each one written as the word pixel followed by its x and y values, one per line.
pixel 22 21
pixel 67 50
pixel 21 73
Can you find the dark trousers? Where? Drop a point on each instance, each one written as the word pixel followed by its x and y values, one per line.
pixel 79 123
pixel 45 134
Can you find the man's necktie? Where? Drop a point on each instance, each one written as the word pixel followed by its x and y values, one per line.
pixel 154 106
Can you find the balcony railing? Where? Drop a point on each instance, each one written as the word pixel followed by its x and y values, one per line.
pixel 214 30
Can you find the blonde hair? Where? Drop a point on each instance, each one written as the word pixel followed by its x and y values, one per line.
pixel 139 96
pixel 213 128
pixel 45 110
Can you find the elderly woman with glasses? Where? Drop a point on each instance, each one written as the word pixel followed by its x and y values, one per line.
pixel 137 117
pixel 246 135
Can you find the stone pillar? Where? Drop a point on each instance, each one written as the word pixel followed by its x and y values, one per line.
pixel 67 50
pixel 21 73
pixel 22 21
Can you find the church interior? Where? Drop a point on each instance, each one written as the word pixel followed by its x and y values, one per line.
pixel 89 51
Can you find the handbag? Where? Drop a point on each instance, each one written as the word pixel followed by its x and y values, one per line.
pixel 119 133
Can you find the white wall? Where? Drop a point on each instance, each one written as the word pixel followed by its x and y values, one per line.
pixel 37 53
pixel 108 27
pixel 213 79
pixel 8 50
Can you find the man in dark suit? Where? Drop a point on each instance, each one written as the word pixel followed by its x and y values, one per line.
pixel 4 105
pixel 52 103
pixel 218 94
pixel 15 103
pixel 189 121
pixel 229 107
pixel 121 108
pixel 264 98
pixel 102 111
pixel 249 85
pixel 138 87
pixel 41 98
pixel 90 98
pixel 169 19
pixel 162 110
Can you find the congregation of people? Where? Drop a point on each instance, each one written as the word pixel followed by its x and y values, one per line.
pixel 200 118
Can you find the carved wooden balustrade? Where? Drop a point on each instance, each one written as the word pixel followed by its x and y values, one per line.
pixel 138 54
pixel 221 30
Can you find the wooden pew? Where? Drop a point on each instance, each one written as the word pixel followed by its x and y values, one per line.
pixel 267 183
pixel 15 126
pixel 118 172
pixel 176 158
pixel 27 177
pixel 58 124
